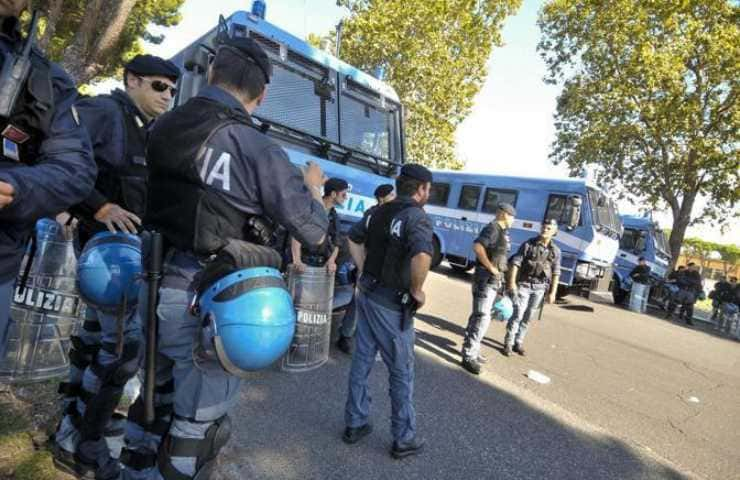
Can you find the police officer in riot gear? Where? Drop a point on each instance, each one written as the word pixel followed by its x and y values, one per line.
pixel 117 124
pixel 641 273
pixel 210 174
pixel 492 250
pixel 690 290
pixel 335 193
pixel 393 250
pixel 383 194
pixel 534 269
pixel 46 163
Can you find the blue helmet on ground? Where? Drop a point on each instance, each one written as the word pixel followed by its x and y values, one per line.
pixel 109 271
pixel 248 319
pixel 503 309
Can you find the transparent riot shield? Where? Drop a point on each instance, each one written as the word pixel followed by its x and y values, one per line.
pixel 312 292
pixel 44 313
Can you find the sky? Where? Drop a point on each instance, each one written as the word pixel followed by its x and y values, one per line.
pixel 510 128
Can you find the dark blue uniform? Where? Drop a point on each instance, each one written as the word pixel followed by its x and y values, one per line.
pixel 495 240
pixel 249 174
pixel 538 264
pixel 380 324
pixel 60 174
pixel 118 133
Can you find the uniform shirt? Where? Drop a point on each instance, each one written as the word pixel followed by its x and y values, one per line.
pixel 532 249
pixel 255 176
pixel 641 274
pixel 416 230
pixel 63 173
pixel 489 238
pixel 690 280
pixel 103 118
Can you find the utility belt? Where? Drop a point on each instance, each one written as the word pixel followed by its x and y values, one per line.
pixel 534 284
pixel 391 298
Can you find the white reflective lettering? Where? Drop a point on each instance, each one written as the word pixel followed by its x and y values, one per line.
pixel 222 172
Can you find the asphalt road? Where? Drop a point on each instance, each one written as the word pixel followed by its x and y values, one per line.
pixel 631 397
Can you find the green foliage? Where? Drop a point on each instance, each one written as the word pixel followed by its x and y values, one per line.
pixel 730 255
pixel 67 24
pixel 650 96
pixel 435 53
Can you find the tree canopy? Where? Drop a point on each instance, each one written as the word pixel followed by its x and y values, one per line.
pixel 92 39
pixel 435 54
pixel 650 97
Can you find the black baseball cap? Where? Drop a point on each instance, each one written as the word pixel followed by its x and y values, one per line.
pixel 507 207
pixel 383 190
pixel 250 51
pixel 417 172
pixel 150 66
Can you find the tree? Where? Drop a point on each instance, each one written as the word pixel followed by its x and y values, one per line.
pixel 730 257
pixel 92 39
pixel 699 249
pixel 435 54
pixel 650 96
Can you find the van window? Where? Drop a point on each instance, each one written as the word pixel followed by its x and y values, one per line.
pixel 557 208
pixel 439 193
pixel 632 240
pixel 495 196
pixel 469 197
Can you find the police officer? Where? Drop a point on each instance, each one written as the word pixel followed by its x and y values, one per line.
pixel 491 249
pixel 335 194
pixel 641 273
pixel 393 250
pixel 534 269
pixel 211 174
pixel 690 289
pixel 720 288
pixel 46 163
pixel 117 125
pixel 383 194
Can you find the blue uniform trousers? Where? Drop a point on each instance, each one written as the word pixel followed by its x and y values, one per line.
pixel 484 296
pixel 189 397
pixel 528 299
pixel 379 329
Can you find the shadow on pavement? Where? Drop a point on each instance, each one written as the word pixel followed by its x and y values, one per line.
pixel 288 426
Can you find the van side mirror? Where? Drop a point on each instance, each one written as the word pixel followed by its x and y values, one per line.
pixel 573 212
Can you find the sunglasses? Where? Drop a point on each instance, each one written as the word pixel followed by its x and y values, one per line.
pixel 160 86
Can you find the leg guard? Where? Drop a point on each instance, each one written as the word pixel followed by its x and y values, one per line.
pixel 112 376
pixel 203 452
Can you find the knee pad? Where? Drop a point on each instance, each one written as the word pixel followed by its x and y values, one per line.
pixel 204 450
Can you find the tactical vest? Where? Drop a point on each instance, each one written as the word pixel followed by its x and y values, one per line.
pixel 126 186
pixel 190 216
pixel 386 259
pixel 498 252
pixel 30 122
pixel 537 265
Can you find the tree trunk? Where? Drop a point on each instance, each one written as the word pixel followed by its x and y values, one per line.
pixel 97 36
pixel 681 220
pixel 52 18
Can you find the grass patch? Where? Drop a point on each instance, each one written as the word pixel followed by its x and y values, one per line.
pixel 38 466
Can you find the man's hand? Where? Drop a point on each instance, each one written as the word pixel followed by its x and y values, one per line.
pixel 512 290
pixel 114 217
pixel 299 266
pixel 420 298
pixel 7 194
pixel 331 267
pixel 314 179
pixel 494 271
pixel 68 223
pixel 551 297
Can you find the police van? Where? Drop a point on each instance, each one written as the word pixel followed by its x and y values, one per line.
pixel 462 203
pixel 318 108
pixel 641 238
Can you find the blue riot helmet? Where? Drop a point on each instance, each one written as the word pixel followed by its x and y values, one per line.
pixel 248 320
pixel 109 271
pixel 503 309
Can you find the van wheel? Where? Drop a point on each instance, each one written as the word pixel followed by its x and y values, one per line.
pixel 436 253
